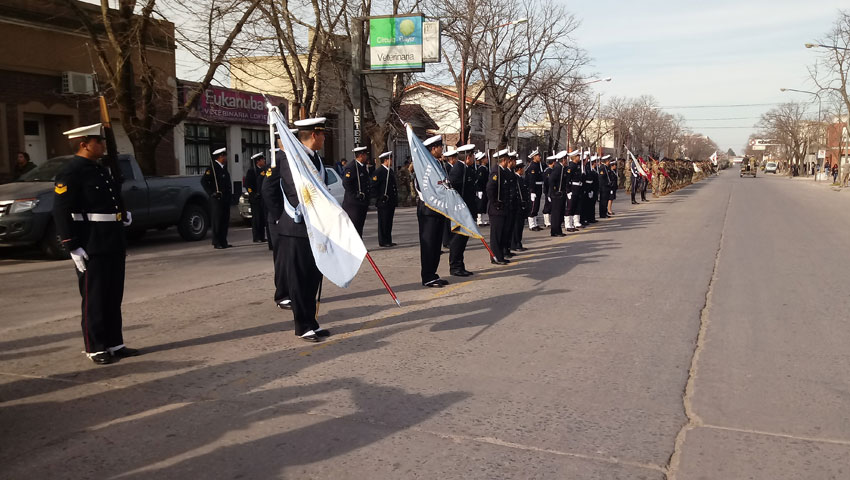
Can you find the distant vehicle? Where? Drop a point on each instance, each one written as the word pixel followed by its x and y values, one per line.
pixel 26 205
pixel 749 167
pixel 771 167
pixel 334 185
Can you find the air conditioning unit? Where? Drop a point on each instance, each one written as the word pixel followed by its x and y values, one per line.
pixel 78 83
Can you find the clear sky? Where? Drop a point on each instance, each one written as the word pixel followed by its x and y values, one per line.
pixel 721 52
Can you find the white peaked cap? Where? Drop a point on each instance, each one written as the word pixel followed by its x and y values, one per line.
pixel 558 156
pixel 501 153
pixel 535 152
pixel 450 153
pixel 519 161
pixel 310 123
pixel 593 158
pixel 359 149
pixel 573 153
pixel 385 155
pixel 466 148
pixel 433 141
pixel 220 151
pixel 513 154
pixel 94 130
pixel 480 155
pixel 257 155
pixel 606 157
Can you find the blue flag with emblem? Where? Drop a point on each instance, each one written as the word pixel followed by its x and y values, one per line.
pixel 434 189
pixel 335 243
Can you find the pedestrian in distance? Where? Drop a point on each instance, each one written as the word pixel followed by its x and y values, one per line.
pixel 90 218
pixel 216 182
pixel 23 164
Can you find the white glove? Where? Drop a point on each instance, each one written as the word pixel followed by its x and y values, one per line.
pixel 589 194
pixel 569 195
pixel 549 198
pixel 533 197
pixel 79 256
pixel 612 192
pixel 480 194
pixel 127 221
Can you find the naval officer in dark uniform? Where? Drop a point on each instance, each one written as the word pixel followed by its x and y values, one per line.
pixel 557 191
pixel 302 275
pixel 573 178
pixel 463 178
pixel 358 188
pixel 547 202
pixel 386 198
pixel 534 182
pixel 499 206
pixel 273 201
pixel 216 182
pixel 253 184
pixel 482 174
pixel 431 225
pixel 90 218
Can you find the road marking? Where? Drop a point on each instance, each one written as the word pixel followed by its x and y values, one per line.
pixel 832 441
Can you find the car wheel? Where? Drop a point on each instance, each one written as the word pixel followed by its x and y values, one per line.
pixel 51 245
pixel 193 223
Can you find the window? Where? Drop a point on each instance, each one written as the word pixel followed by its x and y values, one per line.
pixel 200 141
pixel 31 128
pixel 254 142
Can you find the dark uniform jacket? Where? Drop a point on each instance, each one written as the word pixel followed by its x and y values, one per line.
pixel 356 181
pixel 557 184
pixel 222 176
pixel 270 190
pixel 286 224
pixel 591 182
pixel 254 182
pixel 523 198
pixel 85 187
pixel 534 178
pixel 546 174
pixel 499 192
pixel 573 174
pixel 463 179
pixel 385 187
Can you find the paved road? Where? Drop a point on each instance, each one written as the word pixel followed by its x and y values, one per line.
pixel 700 336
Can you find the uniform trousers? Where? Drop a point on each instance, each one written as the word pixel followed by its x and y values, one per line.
pixel 281 291
pixel 357 214
pixel 385 225
pixel 258 220
pixel 518 228
pixel 498 230
pixel 457 246
pixel 430 235
pixel 557 207
pixel 603 202
pixel 303 278
pixel 220 210
pixel 102 291
pixel 573 200
pixel 447 234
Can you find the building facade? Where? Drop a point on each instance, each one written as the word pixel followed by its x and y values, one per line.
pixel 46 86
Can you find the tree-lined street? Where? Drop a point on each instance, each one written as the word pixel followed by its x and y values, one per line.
pixel 700 335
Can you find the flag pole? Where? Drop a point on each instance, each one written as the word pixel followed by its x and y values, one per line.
pixel 383 280
pixel 493 257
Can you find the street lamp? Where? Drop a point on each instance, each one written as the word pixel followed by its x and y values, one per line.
pixel 816 45
pixel 462 93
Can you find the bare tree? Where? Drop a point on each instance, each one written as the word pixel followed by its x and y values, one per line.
pixel 789 126
pixel 121 41
pixel 831 72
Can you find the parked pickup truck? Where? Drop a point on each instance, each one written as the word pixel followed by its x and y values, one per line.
pixel 26 205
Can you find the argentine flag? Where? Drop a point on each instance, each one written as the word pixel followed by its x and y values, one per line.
pixel 336 246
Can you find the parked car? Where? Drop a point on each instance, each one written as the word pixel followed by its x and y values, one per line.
pixel 26 205
pixel 334 185
pixel 771 167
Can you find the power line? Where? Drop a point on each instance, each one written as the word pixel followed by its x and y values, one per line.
pixel 704 128
pixel 718 119
pixel 723 106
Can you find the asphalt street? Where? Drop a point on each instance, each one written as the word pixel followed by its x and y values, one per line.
pixel 703 335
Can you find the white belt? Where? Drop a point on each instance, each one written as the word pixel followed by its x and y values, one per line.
pixel 575 183
pixel 588 181
pixel 97 217
pixel 538 183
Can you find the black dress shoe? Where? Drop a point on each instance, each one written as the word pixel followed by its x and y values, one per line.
pixel 125 352
pixel 521 249
pixel 392 244
pixel 228 246
pixel 443 282
pixel 593 221
pixel 558 234
pixel 284 304
pixel 468 273
pixel 433 284
pixel 219 247
pixel 458 273
pixel 102 358
pixel 510 255
pixel 498 262
pixel 322 333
